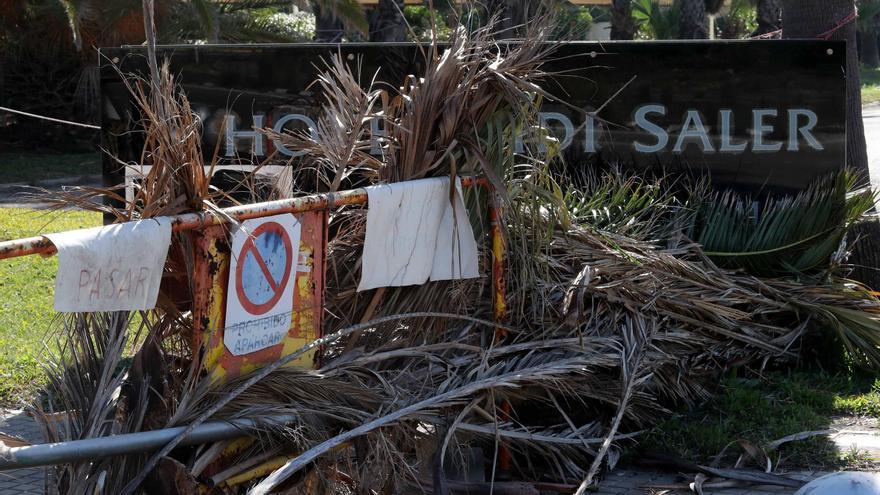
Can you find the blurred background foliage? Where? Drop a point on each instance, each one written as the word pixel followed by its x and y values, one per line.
pixel 48 48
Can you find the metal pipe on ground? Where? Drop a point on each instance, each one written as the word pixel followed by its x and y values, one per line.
pixel 49 454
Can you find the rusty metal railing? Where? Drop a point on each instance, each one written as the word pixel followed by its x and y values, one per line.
pixel 202 224
pixel 316 202
pixel 194 221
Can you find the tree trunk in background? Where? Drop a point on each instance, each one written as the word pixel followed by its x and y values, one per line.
pixel 713 7
pixel 512 16
pixel 387 22
pixel 807 19
pixel 328 28
pixel 769 14
pixel 622 25
pixel 694 21
pixel 870 50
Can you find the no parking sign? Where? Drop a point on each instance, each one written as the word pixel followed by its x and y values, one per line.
pixel 261 283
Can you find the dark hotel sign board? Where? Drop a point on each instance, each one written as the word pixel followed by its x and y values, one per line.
pixel 757 115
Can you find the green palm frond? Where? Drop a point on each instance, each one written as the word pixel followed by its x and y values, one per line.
pixel 207 13
pixel 622 203
pixel 858 331
pixel 789 235
pixel 655 21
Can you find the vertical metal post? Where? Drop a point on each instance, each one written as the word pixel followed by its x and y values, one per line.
pixel 499 298
pixel 210 274
pixel 499 303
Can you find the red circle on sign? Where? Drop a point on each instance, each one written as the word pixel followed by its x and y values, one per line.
pixel 277 287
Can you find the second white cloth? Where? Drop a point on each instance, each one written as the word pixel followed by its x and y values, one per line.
pixel 415 234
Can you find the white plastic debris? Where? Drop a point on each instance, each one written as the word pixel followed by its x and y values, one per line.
pixel 844 483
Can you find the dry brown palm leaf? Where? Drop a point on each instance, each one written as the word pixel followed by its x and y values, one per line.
pixel 439 114
pixel 175 177
pixel 87 384
pixel 513 373
pixel 339 151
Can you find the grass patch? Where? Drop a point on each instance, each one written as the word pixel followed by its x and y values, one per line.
pixel 870 85
pixel 864 404
pixel 761 411
pixel 26 299
pixel 32 168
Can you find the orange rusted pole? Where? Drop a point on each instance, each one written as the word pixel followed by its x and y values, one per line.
pixel 499 305
pixel 499 298
pixel 210 260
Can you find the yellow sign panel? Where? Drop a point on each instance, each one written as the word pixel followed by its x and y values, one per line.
pixel 212 275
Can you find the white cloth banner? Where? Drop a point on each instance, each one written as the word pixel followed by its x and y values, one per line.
pixel 457 256
pixel 414 233
pixel 111 268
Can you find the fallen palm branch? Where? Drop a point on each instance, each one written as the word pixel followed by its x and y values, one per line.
pixel 266 371
pixel 86 386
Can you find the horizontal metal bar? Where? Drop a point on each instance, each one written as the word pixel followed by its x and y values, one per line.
pixel 49 454
pixel 25 247
pixel 302 204
pixel 192 221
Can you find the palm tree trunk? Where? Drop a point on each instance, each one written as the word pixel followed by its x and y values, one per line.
pixel 387 22
pixel 622 25
pixel 869 49
pixel 512 14
pixel 769 14
pixel 694 21
pixel 328 27
pixel 807 19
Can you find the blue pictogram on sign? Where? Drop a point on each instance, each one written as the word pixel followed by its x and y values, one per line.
pixel 264 268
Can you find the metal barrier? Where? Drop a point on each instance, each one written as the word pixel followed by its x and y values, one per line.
pixel 211 273
pixel 130 443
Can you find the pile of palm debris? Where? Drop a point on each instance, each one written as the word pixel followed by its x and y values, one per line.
pixel 625 296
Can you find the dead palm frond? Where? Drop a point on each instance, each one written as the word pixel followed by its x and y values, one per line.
pixel 511 374
pixel 438 115
pixel 339 153
pixel 175 178
pixel 86 398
